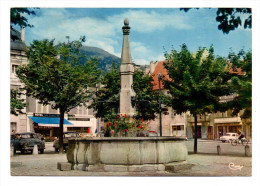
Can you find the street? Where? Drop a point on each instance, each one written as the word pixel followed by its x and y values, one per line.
pixel 205 163
pixel 210 147
pixel 204 147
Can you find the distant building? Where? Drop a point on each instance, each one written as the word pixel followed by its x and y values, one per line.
pixel 17 58
pixel 37 117
pixel 172 124
pixel 210 126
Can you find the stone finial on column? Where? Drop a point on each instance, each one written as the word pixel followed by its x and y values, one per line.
pixel 126 28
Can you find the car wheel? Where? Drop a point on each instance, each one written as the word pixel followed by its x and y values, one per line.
pixel 223 141
pixel 22 151
pixel 56 150
pixel 14 151
pixel 42 151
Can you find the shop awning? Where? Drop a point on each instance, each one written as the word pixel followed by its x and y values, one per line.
pixel 49 121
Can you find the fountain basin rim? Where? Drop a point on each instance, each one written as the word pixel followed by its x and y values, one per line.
pixel 163 138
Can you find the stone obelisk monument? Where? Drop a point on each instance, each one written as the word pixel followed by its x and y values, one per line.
pixel 126 72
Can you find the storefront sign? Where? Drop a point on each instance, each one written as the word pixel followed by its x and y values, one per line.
pixel 79 119
pixel 46 115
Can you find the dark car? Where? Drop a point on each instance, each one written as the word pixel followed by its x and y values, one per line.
pixel 66 136
pixel 25 142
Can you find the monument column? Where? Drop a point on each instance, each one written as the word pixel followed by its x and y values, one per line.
pixel 126 73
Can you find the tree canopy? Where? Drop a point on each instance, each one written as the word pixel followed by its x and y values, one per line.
pixel 54 76
pixel 242 83
pixel 146 100
pixel 18 18
pixel 16 104
pixel 197 81
pixel 107 101
pixel 230 18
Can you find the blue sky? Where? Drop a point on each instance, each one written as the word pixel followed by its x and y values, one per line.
pixel 153 30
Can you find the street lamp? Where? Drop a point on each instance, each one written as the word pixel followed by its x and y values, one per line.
pixel 159 76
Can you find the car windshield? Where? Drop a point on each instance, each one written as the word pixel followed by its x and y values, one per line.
pixel 27 136
pixel 228 134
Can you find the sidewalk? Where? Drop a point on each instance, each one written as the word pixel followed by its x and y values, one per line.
pixel 203 165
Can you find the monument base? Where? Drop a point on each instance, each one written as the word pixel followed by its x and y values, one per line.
pixel 170 167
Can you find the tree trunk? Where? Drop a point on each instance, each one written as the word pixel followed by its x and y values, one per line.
pixel 195 136
pixel 62 111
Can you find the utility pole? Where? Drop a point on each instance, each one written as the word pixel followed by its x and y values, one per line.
pixel 159 75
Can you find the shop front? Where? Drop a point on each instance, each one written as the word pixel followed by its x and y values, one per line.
pixel 47 124
pixel 223 128
pixel 85 126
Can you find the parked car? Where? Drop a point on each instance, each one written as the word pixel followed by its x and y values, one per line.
pixel 66 136
pixel 228 137
pixel 25 142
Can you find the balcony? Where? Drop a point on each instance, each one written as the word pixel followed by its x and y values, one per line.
pixel 199 119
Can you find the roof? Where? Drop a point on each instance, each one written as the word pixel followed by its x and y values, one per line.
pixel 18 45
pixel 159 69
pixel 237 71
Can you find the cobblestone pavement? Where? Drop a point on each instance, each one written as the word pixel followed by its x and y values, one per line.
pixel 203 165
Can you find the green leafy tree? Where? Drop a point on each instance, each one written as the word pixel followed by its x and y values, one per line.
pixel 230 18
pixel 242 83
pixel 18 18
pixel 53 75
pixel 196 83
pixel 17 104
pixel 106 103
pixel 146 98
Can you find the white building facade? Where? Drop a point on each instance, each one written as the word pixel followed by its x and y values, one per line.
pixel 37 117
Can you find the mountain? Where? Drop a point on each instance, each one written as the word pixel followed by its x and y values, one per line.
pixel 106 59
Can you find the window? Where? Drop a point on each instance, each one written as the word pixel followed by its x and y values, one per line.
pixel 79 129
pixel 14 68
pixel 13 127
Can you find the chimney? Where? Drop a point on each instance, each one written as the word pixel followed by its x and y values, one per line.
pixel 22 34
pixel 152 67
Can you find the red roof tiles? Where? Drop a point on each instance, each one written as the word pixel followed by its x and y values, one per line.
pixel 159 69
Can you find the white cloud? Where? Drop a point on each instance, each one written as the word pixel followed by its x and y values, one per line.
pixel 158 58
pixel 141 62
pixel 103 33
pixel 138 47
pixel 143 21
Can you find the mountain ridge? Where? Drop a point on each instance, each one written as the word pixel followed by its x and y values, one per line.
pixel 105 58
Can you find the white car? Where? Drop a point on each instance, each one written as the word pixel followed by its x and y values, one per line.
pixel 228 137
